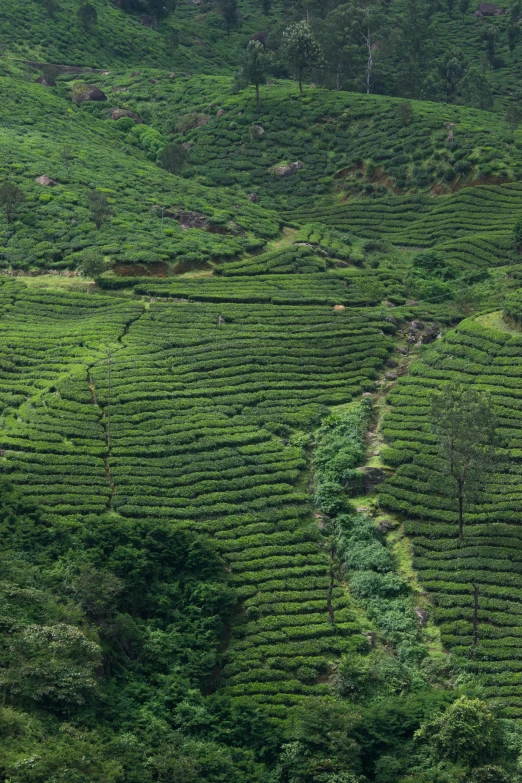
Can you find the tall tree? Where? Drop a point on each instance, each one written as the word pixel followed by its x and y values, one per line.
pixel 413 45
pixel 173 158
pixel 51 6
pixel 464 426
pixel 464 7
pixel 255 66
pixel 230 14
pixel 490 35
pixel 301 50
pixel 10 199
pixel 87 15
pixel 352 40
pixel 512 117
pixel 99 207
pixel 161 8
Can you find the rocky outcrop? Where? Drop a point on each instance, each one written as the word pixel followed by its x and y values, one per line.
pixel 261 37
pixel 192 219
pixel 46 81
pixel 287 169
pixel 489 9
pixel 117 114
pixel 253 197
pixel 87 92
pixel 43 180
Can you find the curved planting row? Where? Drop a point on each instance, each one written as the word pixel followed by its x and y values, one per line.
pixel 491 554
pixel 201 413
pixel 52 440
pixel 293 286
pixel 423 220
pixel 196 427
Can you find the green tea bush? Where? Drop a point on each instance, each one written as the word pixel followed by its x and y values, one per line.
pixel 488 359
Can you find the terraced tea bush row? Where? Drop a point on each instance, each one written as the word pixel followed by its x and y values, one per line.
pixel 347 143
pixel 53 228
pixel 490 556
pixel 427 221
pixel 200 433
pixel 349 286
pixel 52 440
pixel 513 307
pixel 298 260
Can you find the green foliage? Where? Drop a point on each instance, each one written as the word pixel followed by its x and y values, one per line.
pixel 486 360
pixel 230 13
pixel 173 158
pixel 11 196
pixel 467 733
pixel 92 264
pixel 465 428
pixel 87 16
pixel 301 50
pixel 99 207
pixel 254 67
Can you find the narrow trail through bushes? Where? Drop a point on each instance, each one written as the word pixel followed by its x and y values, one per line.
pixel 104 411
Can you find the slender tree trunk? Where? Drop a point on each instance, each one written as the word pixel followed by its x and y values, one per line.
pixel 257 98
pixel 109 400
pixel 475 614
pixel 369 64
pixel 300 83
pixel 461 516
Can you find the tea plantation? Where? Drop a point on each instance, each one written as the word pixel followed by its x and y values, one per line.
pixel 246 250
pixel 487 358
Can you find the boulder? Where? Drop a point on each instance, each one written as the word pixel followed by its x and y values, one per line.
pixel 391 376
pixel 192 219
pixel 340 308
pixel 253 197
pixel 372 477
pixel 220 113
pixel 385 525
pixel 422 615
pixel 257 130
pixel 431 333
pixel 46 82
pixel 261 37
pixel 117 114
pixel 147 21
pixel 489 9
pixel 43 180
pixel 287 169
pixel 391 363
pixel 87 92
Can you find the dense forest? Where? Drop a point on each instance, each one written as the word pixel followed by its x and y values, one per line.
pixel 260 384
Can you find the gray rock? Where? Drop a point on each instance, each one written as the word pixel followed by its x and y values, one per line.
pixel 117 114
pixel 43 180
pixel 489 9
pixel 287 170
pixel 422 615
